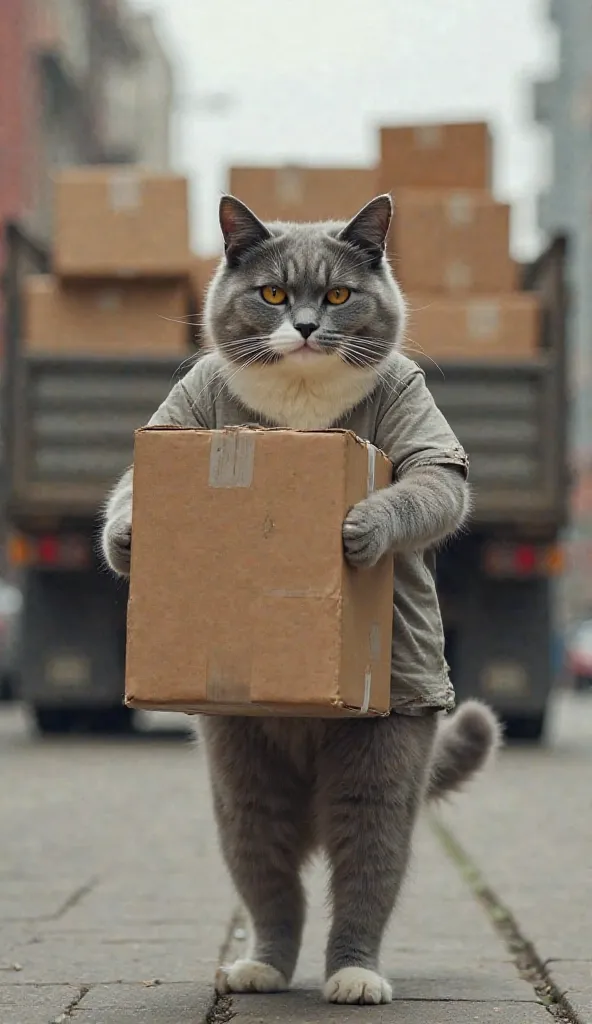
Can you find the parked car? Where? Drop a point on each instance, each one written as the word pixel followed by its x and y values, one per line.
pixel 579 656
pixel 10 607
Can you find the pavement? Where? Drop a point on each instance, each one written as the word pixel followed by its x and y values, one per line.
pixel 115 907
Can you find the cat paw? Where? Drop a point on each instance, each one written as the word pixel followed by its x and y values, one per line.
pixel 357 985
pixel 249 976
pixel 365 533
pixel 117 545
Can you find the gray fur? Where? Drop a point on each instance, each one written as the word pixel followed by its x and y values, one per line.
pixel 307 260
pixel 465 743
pixel 116 537
pixel 424 508
pixel 284 788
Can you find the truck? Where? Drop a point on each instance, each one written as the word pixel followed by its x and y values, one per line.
pixel 68 434
pixel 68 424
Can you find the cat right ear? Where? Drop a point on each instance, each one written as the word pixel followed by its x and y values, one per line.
pixel 241 229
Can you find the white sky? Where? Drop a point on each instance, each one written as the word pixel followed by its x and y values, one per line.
pixel 311 80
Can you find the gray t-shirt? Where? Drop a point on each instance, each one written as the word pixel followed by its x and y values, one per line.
pixel 402 420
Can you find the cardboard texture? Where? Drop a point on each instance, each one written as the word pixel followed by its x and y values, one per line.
pixel 254 609
pixel 122 318
pixel 435 156
pixel 453 241
pixel 202 272
pixel 120 222
pixel 304 193
pixel 489 327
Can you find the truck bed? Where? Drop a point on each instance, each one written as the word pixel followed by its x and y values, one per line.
pixel 69 422
pixel 511 417
pixel 73 430
pixel 504 417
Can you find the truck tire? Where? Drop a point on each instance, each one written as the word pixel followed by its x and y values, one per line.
pixel 110 721
pixel 103 721
pixel 53 721
pixel 525 728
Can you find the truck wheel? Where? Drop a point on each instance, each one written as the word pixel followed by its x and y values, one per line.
pixel 104 721
pixel 525 728
pixel 54 721
pixel 110 721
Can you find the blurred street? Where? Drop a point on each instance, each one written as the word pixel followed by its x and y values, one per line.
pixel 115 906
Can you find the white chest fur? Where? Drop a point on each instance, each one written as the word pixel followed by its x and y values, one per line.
pixel 302 398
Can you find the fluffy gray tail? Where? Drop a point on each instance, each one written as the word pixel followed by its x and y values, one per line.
pixel 464 745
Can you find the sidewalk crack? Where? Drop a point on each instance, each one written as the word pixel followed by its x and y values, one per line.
pixel 530 966
pixel 66 1014
pixel 73 899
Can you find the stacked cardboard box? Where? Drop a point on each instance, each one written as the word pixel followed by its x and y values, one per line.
pixel 121 262
pixel 203 269
pixel 452 241
pixel 441 156
pixel 450 244
pixel 304 193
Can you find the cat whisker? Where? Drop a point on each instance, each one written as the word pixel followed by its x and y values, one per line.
pixel 388 378
pixel 243 366
pixel 178 320
pixel 189 361
pixel 419 350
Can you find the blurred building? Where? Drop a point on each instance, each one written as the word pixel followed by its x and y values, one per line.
pixel 81 81
pixel 564 105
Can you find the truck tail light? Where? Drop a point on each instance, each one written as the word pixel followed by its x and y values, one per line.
pixel 508 560
pixel 49 551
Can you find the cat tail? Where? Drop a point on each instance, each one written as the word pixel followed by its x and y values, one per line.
pixel 464 744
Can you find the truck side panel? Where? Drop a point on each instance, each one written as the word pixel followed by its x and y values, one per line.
pixel 77 623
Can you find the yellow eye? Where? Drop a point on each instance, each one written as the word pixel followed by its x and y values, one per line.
pixel 337 296
pixel 275 296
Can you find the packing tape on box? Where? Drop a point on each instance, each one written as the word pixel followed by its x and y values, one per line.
pixel 457 276
pixel 428 136
pixel 483 319
pixel 375 640
pixel 232 458
pixel 371 486
pixel 460 209
pixel 367 692
pixel 125 191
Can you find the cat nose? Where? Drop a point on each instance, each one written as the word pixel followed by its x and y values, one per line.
pixel 306 329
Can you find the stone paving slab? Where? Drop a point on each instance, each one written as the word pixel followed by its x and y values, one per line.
pixel 303 1007
pixel 530 833
pixel 35 1006
pixel 88 961
pixel 138 1004
pixel 111 870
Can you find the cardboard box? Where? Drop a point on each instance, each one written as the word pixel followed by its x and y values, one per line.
pixel 254 610
pixel 304 193
pixel 487 327
pixel 123 318
pixel 202 272
pixel 120 222
pixel 456 241
pixel 436 156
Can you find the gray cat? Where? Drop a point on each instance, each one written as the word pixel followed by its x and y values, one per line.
pixel 305 323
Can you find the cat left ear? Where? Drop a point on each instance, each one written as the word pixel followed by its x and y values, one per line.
pixel 369 228
pixel 241 229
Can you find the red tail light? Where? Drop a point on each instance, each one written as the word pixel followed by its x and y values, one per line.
pixel 505 559
pixel 51 551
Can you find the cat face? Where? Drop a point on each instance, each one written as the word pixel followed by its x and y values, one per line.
pixel 301 294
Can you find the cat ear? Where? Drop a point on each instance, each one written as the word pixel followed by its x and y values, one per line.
pixel 241 229
pixel 369 228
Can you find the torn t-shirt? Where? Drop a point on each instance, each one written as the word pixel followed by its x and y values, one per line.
pixel 401 418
